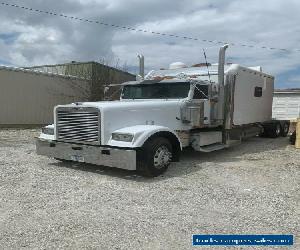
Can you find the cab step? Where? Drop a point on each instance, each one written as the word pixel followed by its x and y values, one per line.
pixel 212 147
pixel 233 142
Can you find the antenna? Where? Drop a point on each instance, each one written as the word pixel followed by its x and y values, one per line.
pixel 206 65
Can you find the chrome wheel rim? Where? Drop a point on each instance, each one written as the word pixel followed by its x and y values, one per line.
pixel 278 129
pixel 162 157
pixel 286 128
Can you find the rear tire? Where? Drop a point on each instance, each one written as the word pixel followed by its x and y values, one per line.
pixel 285 129
pixel 263 132
pixel 275 130
pixel 155 157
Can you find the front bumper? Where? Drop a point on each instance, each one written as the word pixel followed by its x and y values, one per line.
pixel 105 156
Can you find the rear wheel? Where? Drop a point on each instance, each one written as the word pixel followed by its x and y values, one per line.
pixel 263 132
pixel 285 129
pixel 155 157
pixel 275 130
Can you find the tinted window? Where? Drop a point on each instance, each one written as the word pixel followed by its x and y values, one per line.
pixel 201 92
pixel 157 90
pixel 258 92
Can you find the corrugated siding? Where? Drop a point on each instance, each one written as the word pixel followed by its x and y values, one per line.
pixel 29 98
pixel 286 106
pixel 98 73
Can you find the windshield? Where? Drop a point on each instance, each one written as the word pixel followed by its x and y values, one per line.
pixel 164 90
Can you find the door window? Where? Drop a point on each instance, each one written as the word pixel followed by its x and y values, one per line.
pixel 201 92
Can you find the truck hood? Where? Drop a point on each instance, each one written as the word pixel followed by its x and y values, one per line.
pixel 108 105
pixel 121 114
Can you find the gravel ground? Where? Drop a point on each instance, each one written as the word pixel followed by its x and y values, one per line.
pixel 45 204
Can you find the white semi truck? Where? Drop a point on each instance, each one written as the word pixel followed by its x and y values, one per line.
pixel 204 107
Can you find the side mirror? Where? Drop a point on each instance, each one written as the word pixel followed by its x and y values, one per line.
pixel 105 91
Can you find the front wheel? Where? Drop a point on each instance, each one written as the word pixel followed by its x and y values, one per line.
pixel 155 157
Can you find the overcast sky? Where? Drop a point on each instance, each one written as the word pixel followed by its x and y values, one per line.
pixel 28 38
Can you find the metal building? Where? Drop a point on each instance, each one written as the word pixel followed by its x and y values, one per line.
pixel 28 98
pixel 286 104
pixel 98 75
pixel 28 95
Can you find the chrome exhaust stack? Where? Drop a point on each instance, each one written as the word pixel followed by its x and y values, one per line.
pixel 221 81
pixel 141 67
pixel 221 64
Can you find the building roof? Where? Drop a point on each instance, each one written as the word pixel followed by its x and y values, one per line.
pixel 287 91
pixel 79 63
pixel 26 70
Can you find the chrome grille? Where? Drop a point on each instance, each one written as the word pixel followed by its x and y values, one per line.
pixel 81 125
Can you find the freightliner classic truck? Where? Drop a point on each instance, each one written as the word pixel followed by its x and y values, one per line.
pixel 205 107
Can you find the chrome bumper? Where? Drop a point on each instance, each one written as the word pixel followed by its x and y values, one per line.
pixel 111 157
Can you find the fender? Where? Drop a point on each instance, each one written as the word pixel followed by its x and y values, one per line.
pixel 141 134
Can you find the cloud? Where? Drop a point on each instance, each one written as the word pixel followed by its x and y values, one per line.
pixel 294 78
pixel 43 39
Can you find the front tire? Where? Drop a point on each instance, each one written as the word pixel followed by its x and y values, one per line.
pixel 155 157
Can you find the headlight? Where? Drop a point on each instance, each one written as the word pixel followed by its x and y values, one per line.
pixel 122 137
pixel 48 131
